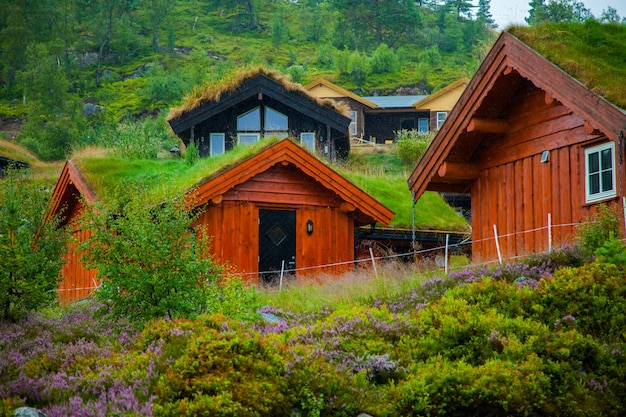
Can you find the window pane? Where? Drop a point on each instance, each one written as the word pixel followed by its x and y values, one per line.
pixel 246 139
pixel 250 120
pixel 594 184
pixel 217 144
pixel 423 125
pixel 275 120
pixel 607 160
pixel 607 180
pixel 594 162
pixel 308 139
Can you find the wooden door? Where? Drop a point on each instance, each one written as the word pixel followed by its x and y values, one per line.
pixel 277 243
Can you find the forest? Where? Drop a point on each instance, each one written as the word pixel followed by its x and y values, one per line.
pixel 72 71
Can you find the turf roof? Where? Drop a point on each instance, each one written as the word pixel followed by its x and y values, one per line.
pixel 212 92
pixel 591 52
pixel 112 180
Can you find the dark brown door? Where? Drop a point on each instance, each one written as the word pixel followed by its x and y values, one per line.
pixel 277 243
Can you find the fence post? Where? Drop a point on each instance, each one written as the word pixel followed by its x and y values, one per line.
pixel 495 233
pixel 446 254
pixel 373 262
pixel 550 232
pixel 282 272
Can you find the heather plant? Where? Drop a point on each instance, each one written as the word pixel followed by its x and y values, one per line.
pixel 30 246
pixel 151 262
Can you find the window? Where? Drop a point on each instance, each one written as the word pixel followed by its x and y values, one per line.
pixel 275 121
pixel 422 125
pixel 600 172
pixel 352 127
pixel 249 121
pixel 217 143
pixel 308 139
pixel 441 117
pixel 247 138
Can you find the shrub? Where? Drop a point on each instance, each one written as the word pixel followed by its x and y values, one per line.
pixel 384 60
pixel 151 263
pixel 30 247
pixel 411 145
pixel 597 228
pixel 359 67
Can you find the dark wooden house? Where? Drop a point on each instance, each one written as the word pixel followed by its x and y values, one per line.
pixel 256 104
pixel 535 148
pixel 378 118
pixel 281 208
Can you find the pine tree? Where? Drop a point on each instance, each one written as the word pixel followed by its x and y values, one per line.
pixel 484 13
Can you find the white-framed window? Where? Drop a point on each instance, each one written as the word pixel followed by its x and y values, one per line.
pixel 275 121
pixel 307 139
pixel 217 143
pixel 422 125
pixel 250 121
pixel 352 114
pixel 441 117
pixel 600 172
pixel 248 138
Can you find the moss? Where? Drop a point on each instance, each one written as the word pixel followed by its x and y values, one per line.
pixel 591 52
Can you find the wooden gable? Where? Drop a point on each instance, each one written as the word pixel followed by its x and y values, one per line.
pixel 218 112
pixel 325 89
pixel 443 99
pixel 517 108
pixel 288 179
pixel 68 200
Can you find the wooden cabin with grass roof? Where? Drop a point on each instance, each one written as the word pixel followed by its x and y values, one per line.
pixel 258 103
pixel 267 207
pixel 537 137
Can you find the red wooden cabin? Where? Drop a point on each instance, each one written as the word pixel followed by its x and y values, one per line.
pixel 281 204
pixel 529 143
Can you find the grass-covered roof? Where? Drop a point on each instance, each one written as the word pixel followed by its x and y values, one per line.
pixel 112 179
pixel 212 92
pixel 591 52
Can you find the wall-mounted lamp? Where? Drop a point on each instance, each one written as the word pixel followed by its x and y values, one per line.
pixel 545 156
pixel 309 227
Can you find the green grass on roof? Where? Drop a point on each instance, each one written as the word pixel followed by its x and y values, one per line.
pixel 114 179
pixel 592 53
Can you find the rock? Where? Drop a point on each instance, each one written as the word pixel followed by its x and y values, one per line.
pixel 89 109
pixel 28 412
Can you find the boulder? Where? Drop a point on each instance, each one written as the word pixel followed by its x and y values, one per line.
pixel 28 412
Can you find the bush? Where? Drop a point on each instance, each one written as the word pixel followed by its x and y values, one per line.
pixel 411 145
pixel 151 262
pixel 384 60
pixel 597 228
pixel 30 247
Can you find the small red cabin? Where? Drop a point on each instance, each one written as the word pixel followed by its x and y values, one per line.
pixel 281 208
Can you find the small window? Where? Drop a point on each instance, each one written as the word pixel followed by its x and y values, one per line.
pixel 249 121
pixel 275 121
pixel 307 139
pixel 352 114
pixel 600 172
pixel 422 125
pixel 247 138
pixel 217 143
pixel 441 117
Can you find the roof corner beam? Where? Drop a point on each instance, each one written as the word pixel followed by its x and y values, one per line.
pixel 488 125
pixel 458 171
pixel 346 207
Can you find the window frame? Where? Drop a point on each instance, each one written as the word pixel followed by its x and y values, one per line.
pixel 419 121
pixel 352 127
pixel 441 121
pixel 600 195
pixel 257 136
pixel 304 144
pixel 223 138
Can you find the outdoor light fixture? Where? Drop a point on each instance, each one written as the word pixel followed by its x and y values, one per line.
pixel 309 227
pixel 545 156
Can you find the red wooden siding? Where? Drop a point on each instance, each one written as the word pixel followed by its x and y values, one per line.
pixel 82 282
pixel 515 191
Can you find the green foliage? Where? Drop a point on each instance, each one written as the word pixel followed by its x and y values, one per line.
pixel 233 298
pixel 163 88
pixel 613 251
pixel 597 228
pixel 384 60
pixel 30 247
pixel 225 370
pixel 411 145
pixel 151 263
pixel 325 54
pixel 359 67
pixel 191 153
pixel 130 140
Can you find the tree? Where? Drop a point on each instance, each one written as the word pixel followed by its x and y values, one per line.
pixel 609 15
pixel 537 12
pixel 157 15
pixel 484 13
pixel 53 124
pixel 151 262
pixel 557 11
pixel 30 247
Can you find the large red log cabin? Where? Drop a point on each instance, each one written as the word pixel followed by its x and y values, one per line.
pixel 280 204
pixel 530 142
